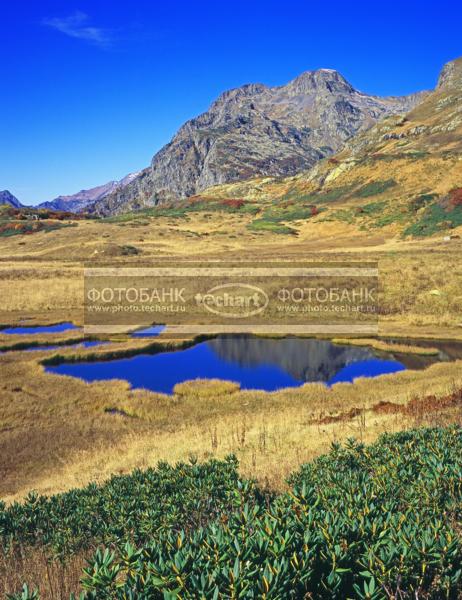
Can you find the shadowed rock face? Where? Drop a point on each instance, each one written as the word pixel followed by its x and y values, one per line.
pixel 256 130
pixel 420 152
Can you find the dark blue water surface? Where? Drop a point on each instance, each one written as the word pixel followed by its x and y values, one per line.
pixel 255 363
pixel 366 368
pixel 41 329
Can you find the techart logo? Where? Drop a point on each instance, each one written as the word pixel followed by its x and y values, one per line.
pixel 234 300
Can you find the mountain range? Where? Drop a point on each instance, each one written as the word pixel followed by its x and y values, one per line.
pixel 313 132
pixel 82 200
pixel 248 131
pixel 256 130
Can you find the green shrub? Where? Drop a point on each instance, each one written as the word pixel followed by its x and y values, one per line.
pixel 362 522
pixel 24 594
pixel 271 226
pixel 420 201
pixel 250 208
pixel 373 208
pixel 10 228
pixel 290 213
pixel 400 216
pixel 128 250
pixel 135 507
pixel 435 219
pixel 295 195
pixel 334 194
pixel 181 209
pixel 345 215
pixel 316 197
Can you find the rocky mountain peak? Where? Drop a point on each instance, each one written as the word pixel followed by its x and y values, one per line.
pixel 327 80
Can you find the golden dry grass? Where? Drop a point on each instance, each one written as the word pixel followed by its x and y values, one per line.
pixel 421 281
pixel 384 346
pixel 54 580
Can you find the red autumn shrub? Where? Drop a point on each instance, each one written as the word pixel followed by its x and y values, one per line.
pixel 233 202
pixel 455 197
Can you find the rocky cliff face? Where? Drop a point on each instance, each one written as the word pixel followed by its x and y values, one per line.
pixel 7 197
pixel 256 130
pixel 451 75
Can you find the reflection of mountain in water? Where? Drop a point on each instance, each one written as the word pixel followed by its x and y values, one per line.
pixel 304 359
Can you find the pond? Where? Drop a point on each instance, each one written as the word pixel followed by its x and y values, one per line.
pixel 255 363
pixel 31 330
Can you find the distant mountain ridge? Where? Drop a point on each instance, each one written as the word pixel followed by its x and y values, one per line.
pixel 85 198
pixel 256 130
pixel 7 197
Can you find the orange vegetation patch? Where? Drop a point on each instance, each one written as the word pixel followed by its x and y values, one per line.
pixel 234 202
pixel 415 407
pixel 387 408
pixel 418 406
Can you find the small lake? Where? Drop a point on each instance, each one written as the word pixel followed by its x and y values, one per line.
pixel 57 328
pixel 255 363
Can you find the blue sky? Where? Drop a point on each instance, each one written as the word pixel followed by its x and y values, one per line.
pixel 92 89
